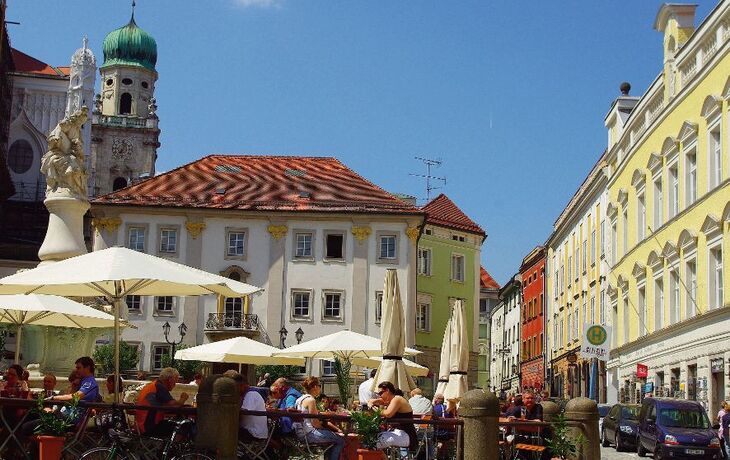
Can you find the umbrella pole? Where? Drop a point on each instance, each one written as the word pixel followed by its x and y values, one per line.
pixel 18 335
pixel 117 304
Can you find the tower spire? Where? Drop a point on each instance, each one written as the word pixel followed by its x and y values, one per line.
pixel 133 5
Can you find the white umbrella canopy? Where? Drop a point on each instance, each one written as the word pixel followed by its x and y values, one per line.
pixel 392 369
pixel 341 344
pixel 459 356
pixel 48 310
pixel 414 369
pixel 240 350
pixel 117 272
pixel 444 363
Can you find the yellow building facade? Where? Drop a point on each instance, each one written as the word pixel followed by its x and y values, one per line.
pixel 668 219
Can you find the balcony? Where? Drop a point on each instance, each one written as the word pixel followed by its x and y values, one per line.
pixel 122 121
pixel 227 325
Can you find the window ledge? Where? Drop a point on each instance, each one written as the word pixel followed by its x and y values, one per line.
pixel 303 259
pixel 335 261
pixel 168 314
pixel 300 319
pixel 235 257
pixel 333 320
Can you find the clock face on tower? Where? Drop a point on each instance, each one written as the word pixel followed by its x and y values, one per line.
pixel 122 149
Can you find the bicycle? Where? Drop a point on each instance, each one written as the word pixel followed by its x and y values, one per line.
pixel 120 448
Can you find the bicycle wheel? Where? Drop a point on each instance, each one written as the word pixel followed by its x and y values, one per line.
pixel 193 456
pixel 105 453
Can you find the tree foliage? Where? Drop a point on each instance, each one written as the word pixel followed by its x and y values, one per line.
pixel 276 371
pixel 104 357
pixel 187 369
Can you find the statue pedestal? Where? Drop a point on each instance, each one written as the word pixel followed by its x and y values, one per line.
pixel 65 234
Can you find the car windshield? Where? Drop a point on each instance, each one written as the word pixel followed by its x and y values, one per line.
pixel 683 418
pixel 630 412
pixel 603 410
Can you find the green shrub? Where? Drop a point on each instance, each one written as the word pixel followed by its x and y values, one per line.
pixel 187 369
pixel 104 357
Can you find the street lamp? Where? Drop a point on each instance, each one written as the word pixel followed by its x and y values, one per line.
pixel 299 334
pixel 282 336
pixel 182 329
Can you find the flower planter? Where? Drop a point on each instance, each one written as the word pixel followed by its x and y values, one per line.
pixel 367 454
pixel 50 447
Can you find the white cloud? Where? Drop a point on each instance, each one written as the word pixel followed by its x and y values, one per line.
pixel 258 3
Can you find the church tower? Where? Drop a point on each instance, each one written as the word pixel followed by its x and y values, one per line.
pixel 81 93
pixel 125 132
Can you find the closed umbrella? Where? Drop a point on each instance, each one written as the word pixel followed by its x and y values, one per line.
pixel 459 356
pixel 392 369
pixel 115 273
pixel 240 350
pixel 445 363
pixel 48 310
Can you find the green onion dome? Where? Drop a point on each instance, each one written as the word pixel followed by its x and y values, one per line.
pixel 130 45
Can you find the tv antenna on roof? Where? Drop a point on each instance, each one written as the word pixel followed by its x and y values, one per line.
pixel 429 164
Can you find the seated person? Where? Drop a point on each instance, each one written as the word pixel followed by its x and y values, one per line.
pixel 14 385
pixel 286 398
pixel 443 410
pixel 517 407
pixel 109 398
pixel 156 394
pixel 250 426
pixel 527 407
pixel 88 389
pixel 420 404
pixel 49 384
pixel 315 431
pixel 74 383
pixel 402 433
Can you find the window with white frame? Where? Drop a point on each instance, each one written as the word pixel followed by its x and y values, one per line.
pixel 562 331
pixel 658 303
pixel 555 333
pixel 303 245
pixel 334 246
pixel 158 351
pixel 584 318
pixel 673 196
pixel 570 326
pixel 168 240
pixel 332 305
pixel 603 237
pixel 602 307
pixel 585 255
pixel 576 259
pixel 690 274
pixel 423 316
pixel 627 316
pixel 457 268
pixel 642 310
pixel 562 278
pixel 328 368
pixel 626 231
pixel 164 304
pixel 301 301
pixel 134 304
pixel 592 318
pixel 715 277
pixel 387 247
pixel 378 306
pixel 658 204
pixel 674 293
pixel 714 157
pixel 640 217
pixel 614 241
pixel 424 261
pixel 137 238
pixel 570 269
pixel 236 243
pixel 690 178
pixel 593 247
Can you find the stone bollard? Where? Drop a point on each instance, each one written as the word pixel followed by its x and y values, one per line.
pixel 585 412
pixel 550 411
pixel 480 411
pixel 219 405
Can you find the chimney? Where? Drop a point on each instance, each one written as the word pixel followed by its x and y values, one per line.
pixel 676 21
pixel 619 113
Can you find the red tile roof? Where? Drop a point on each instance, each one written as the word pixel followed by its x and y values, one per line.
pixel 31 65
pixel 442 211
pixel 486 281
pixel 262 183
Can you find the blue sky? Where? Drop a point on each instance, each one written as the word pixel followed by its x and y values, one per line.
pixel 511 95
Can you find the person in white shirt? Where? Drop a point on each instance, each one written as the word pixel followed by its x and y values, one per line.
pixel 365 392
pixel 251 426
pixel 420 404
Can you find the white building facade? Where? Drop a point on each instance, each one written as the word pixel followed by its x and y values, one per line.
pixel 496 344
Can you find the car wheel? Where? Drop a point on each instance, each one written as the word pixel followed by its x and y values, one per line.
pixel 658 454
pixel 617 442
pixel 640 449
pixel 604 441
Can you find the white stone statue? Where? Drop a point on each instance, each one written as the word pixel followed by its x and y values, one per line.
pixel 63 164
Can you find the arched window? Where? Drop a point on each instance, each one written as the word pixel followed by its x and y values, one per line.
pixel 233 308
pixel 20 156
pixel 125 104
pixel 119 182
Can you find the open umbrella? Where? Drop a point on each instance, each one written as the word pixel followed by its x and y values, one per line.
pixel 392 369
pixel 240 350
pixel 459 356
pixel 444 364
pixel 414 369
pixel 48 310
pixel 342 344
pixel 115 273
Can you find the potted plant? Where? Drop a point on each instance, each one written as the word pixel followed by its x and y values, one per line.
pixel 560 444
pixel 51 430
pixel 367 426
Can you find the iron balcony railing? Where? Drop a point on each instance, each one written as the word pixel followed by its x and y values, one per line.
pixel 232 321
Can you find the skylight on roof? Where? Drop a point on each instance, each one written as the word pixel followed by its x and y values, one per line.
pixel 227 168
pixel 295 172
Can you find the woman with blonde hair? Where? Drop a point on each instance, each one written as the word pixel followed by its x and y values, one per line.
pixel 313 429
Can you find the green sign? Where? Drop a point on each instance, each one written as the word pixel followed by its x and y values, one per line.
pixel 596 335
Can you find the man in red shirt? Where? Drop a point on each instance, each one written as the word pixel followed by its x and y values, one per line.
pixel 157 394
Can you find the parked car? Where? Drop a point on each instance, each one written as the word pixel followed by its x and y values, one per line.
pixel 619 427
pixel 602 412
pixel 676 428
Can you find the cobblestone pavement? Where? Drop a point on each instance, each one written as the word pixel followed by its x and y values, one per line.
pixel 609 453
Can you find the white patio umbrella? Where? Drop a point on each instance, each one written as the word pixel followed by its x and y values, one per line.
pixel 48 310
pixel 115 273
pixel 414 369
pixel 459 356
pixel 393 324
pixel 444 363
pixel 341 344
pixel 240 350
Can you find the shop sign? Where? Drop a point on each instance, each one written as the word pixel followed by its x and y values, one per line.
pixel 641 371
pixel 596 340
pixel 717 365
pixel 648 387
